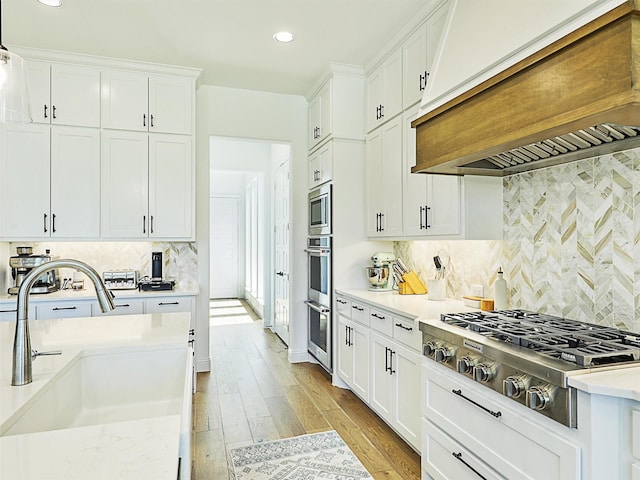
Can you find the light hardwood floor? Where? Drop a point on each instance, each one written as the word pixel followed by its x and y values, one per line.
pixel 254 394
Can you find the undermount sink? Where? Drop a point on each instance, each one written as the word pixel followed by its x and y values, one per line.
pixel 106 387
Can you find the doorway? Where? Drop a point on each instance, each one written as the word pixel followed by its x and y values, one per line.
pixel 246 212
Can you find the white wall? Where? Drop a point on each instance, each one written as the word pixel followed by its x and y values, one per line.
pixel 278 118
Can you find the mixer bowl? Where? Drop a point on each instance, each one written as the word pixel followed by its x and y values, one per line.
pixel 378 277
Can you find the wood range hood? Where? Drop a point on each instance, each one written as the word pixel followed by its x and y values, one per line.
pixel 576 98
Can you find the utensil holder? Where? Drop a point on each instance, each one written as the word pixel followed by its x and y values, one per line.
pixel 437 289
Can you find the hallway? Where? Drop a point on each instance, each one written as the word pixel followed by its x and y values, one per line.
pixel 254 394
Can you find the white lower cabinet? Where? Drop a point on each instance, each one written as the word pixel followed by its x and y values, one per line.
pixel 395 389
pixel 378 358
pixel 475 431
pixel 63 309
pixel 353 356
pixel 127 306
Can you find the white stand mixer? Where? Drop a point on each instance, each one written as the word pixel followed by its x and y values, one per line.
pixel 379 275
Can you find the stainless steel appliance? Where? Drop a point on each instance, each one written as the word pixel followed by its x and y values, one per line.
pixel 23 263
pixel 380 274
pixel 319 299
pixel 121 279
pixel 528 356
pixel 320 210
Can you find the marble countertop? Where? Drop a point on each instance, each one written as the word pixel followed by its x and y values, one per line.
pixel 124 450
pixel 621 382
pixel 90 294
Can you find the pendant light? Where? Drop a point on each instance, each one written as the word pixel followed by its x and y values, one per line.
pixel 14 87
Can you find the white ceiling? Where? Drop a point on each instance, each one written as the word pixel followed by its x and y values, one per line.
pixel 231 40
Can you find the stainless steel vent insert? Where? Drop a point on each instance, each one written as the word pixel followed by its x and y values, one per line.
pixel 580 140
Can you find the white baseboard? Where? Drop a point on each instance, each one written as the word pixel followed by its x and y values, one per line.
pixel 299 356
pixel 336 381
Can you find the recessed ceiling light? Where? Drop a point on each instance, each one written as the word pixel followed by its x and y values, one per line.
pixel 51 3
pixel 283 37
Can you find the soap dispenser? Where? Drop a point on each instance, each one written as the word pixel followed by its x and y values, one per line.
pixel 500 287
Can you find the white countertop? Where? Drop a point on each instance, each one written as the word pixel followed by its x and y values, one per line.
pixel 90 294
pixel 617 382
pixel 124 450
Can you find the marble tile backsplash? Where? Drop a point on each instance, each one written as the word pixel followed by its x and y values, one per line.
pixel 179 258
pixel 571 243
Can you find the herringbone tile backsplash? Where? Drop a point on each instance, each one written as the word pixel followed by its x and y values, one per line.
pixel 571 243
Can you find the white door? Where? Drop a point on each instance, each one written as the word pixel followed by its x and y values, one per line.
pixel 281 245
pixel 223 282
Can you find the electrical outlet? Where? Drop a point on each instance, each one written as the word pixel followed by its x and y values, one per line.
pixel 477 290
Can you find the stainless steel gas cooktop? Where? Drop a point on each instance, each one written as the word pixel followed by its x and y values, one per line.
pixel 528 356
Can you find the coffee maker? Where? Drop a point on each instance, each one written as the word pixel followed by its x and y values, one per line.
pixel 379 275
pixel 157 281
pixel 23 263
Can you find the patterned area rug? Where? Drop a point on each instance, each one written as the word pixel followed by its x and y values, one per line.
pixel 307 457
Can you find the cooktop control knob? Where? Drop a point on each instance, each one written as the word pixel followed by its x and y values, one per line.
pixel 513 386
pixel 465 364
pixel 482 372
pixel 442 354
pixel 429 348
pixel 538 398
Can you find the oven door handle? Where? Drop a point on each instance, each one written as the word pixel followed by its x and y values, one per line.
pixel 317 307
pixel 321 252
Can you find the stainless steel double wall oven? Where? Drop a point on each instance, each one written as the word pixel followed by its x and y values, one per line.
pixel 319 288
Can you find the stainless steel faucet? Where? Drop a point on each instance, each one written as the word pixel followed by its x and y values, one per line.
pixel 22 353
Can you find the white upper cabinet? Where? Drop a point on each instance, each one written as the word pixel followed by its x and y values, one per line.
pixel 62 94
pixel 62 165
pixel 320 165
pixel 320 115
pixel 418 52
pixel 431 203
pixel 142 102
pixel 384 91
pixel 147 187
pixel 383 180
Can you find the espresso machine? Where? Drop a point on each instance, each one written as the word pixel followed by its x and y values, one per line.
pixel 380 273
pixel 23 263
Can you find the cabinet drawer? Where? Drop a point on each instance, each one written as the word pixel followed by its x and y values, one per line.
pixel 123 307
pixel 635 429
pixel 405 331
pixel 498 441
pixel 168 304
pixel 382 322
pixel 359 313
pixel 343 307
pixel 444 458
pixel 47 311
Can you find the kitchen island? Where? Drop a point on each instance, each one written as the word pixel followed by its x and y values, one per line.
pixel 132 443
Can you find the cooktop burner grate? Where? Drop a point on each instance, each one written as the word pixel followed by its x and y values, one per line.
pixel 580 343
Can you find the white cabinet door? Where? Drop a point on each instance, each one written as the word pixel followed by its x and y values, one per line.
pixel 444 199
pixel 141 102
pixel 382 381
pixel 64 94
pixel 414 62
pixel 168 305
pixel 170 104
pixel 39 90
pixel 24 181
pixel 125 179
pixel 170 186
pixel 406 411
pixel 384 91
pixel 63 309
pixel 320 165
pixel 315 119
pixel 75 182
pixel 125 100
pixel 345 352
pixel 361 361
pixel 75 95
pixel 383 171
pixel 128 306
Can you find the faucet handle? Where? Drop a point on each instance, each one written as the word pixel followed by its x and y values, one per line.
pixel 35 353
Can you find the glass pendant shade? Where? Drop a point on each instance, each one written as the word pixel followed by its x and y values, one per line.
pixel 14 89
